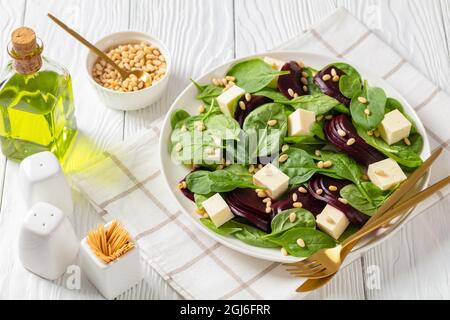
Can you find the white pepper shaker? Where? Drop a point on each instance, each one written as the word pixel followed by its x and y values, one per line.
pixel 42 179
pixel 47 241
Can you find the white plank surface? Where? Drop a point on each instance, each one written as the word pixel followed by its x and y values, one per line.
pixel 200 34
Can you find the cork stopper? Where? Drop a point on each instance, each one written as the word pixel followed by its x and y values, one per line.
pixel 23 40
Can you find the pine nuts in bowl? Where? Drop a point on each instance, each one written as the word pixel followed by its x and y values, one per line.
pixel 132 51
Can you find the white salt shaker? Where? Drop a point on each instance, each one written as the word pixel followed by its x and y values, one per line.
pixel 47 241
pixel 113 278
pixel 42 179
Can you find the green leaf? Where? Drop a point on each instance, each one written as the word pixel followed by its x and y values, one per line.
pixel 254 74
pixel 317 130
pixel 199 198
pixel 178 116
pixel 407 156
pixel 282 223
pixel 358 201
pixel 207 93
pixel 312 87
pixel 228 228
pixel 273 94
pixel 318 103
pixel 376 103
pixel 206 182
pixel 314 241
pixel 268 138
pixel 351 229
pixel 299 166
pixel 349 84
pixel 223 126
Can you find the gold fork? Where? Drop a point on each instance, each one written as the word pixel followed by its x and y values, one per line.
pixel 311 267
pixel 328 261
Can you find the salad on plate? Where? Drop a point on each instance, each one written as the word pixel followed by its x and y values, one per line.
pixel 282 155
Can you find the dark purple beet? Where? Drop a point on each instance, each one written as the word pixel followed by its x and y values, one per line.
pixel 331 197
pixel 246 204
pixel 309 203
pixel 292 80
pixel 251 105
pixel 329 87
pixel 187 193
pixel 360 150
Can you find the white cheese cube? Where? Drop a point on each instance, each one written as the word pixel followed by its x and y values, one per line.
pixel 277 65
pixel 394 127
pixel 385 174
pixel 217 209
pixel 228 99
pixel 300 121
pixel 332 221
pixel 273 179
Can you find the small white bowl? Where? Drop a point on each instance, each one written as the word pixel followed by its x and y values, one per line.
pixel 128 100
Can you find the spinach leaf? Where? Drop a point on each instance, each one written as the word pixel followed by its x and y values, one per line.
pixel 223 126
pixel 206 182
pixel 351 229
pixel 350 83
pixel 317 130
pixel 268 137
pixel 207 93
pixel 282 223
pixel 178 116
pixel 312 87
pixel 199 198
pixel 314 241
pixel 299 166
pixel 318 103
pixel 254 74
pixel 271 94
pixel 405 155
pixel 307 140
pixel 359 202
pixel 228 228
pixel 376 102
pixel 241 231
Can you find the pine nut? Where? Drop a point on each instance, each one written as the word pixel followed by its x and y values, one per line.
pixel 341 132
pixel 261 194
pixel 292 217
pixel 367 111
pixel 320 164
pixel 284 252
pixel 342 200
pixel 301 243
pixel 283 157
pixel 304 80
pixel 350 141
pixel 248 97
pixel 266 200
pixel 230 78
pixel 201 108
pixel 332 188
pixel 178 147
pixel 407 142
pixel 305 88
pixel 362 100
pixel 319 191
pixel 291 92
pixel 370 133
pixel 302 190
pixel 294 197
pixel 251 168
pixel 329 117
pixel 327 164
pixel 272 122
pixel 297 204
pixel 296 95
pixel 365 177
pixel 182 185
pixel 301 64
pixel 326 77
pixel 242 105
pixel 376 133
pixel 335 79
pixel 319 118
pixel 285 148
pixel 305 74
pixel 317 153
pixel 268 209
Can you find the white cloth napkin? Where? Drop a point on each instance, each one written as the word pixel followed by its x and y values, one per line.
pixel 126 183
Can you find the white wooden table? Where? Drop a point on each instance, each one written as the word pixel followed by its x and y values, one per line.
pixel 201 33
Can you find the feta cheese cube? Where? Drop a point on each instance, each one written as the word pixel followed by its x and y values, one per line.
pixel 300 121
pixel 277 65
pixel 273 179
pixel 394 127
pixel 228 100
pixel 332 221
pixel 217 209
pixel 385 174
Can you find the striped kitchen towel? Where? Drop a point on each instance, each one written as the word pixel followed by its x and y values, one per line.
pixel 126 183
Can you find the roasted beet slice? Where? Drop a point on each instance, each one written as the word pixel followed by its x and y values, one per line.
pixel 246 204
pixel 309 202
pixel 292 80
pixel 329 87
pixel 331 197
pixel 359 150
pixel 186 192
pixel 251 105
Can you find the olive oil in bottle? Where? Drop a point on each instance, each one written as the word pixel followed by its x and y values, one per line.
pixel 36 101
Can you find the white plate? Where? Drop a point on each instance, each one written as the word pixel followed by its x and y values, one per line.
pixel 173 173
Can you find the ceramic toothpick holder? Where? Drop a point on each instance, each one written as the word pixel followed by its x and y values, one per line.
pixel 42 179
pixel 47 241
pixel 114 278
